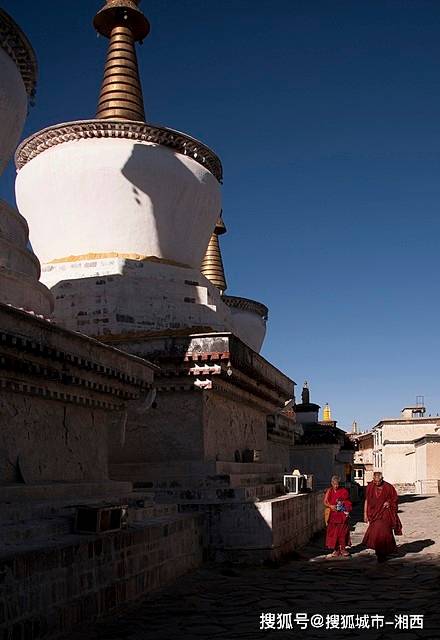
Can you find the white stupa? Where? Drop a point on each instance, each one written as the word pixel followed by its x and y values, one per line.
pixel 121 211
pixel 19 268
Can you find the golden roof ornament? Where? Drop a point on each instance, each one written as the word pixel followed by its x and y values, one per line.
pixel 212 264
pixel 327 414
pixel 121 92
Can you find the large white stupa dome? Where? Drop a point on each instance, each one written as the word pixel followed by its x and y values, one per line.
pixel 116 184
pixel 100 187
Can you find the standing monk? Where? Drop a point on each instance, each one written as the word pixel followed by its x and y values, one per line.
pixel 380 513
pixel 338 506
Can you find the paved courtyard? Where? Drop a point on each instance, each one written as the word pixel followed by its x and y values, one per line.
pixel 225 602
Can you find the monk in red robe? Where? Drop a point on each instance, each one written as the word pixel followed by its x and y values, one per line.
pixel 338 507
pixel 380 513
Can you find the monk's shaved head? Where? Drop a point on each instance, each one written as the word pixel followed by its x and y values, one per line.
pixel 377 477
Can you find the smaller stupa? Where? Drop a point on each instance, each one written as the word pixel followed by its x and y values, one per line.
pixel 19 267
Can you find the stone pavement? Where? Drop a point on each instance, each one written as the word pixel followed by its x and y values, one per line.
pixel 225 602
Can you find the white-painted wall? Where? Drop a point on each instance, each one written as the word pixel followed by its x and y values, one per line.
pixel 250 327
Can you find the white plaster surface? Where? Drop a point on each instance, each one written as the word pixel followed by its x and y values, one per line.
pixel 116 295
pixel 250 327
pixel 118 195
pixel 13 107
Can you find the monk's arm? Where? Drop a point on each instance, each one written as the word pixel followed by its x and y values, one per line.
pixel 365 511
pixel 327 503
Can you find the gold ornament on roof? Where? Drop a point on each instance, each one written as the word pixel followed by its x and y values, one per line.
pixel 327 414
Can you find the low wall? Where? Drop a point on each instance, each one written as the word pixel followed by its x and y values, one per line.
pixel 264 531
pixel 403 488
pixel 428 487
pixel 45 592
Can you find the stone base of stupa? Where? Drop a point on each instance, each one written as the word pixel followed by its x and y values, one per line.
pixel 62 394
pixel 114 295
pixel 216 444
pixel 117 294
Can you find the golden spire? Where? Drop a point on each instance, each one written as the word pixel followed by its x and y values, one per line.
pixel 121 91
pixel 327 414
pixel 212 263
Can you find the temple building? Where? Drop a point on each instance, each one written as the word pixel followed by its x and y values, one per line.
pixel 407 450
pixel 363 455
pixel 322 449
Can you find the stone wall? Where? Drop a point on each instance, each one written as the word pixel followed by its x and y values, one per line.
pixel 172 431
pixel 61 392
pixel 266 530
pixel 231 424
pixel 45 592
pixel 43 441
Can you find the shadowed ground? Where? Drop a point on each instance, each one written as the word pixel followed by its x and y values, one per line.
pixel 225 602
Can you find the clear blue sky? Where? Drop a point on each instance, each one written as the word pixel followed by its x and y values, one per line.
pixel 326 117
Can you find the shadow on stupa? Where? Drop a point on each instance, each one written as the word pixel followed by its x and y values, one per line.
pixel 164 187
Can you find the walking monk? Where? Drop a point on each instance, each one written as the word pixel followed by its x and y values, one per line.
pixel 338 506
pixel 380 513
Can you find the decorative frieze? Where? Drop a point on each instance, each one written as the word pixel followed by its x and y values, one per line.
pixel 83 129
pixel 18 47
pixel 246 304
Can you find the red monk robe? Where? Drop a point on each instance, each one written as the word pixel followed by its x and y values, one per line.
pixel 382 519
pixel 338 528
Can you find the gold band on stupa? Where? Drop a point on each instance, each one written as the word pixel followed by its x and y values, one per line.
pixel 121 90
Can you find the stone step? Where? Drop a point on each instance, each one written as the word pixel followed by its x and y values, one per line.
pixel 207 482
pixel 140 505
pixel 248 467
pixel 214 496
pixel 31 530
pixel 197 471
pixel 25 531
pixel 61 538
pixel 62 491
pixel 22 511
pixel 152 510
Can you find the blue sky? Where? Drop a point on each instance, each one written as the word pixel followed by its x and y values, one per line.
pixel 326 118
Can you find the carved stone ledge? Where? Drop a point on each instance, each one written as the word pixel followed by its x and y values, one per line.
pixel 83 129
pixel 18 47
pixel 245 304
